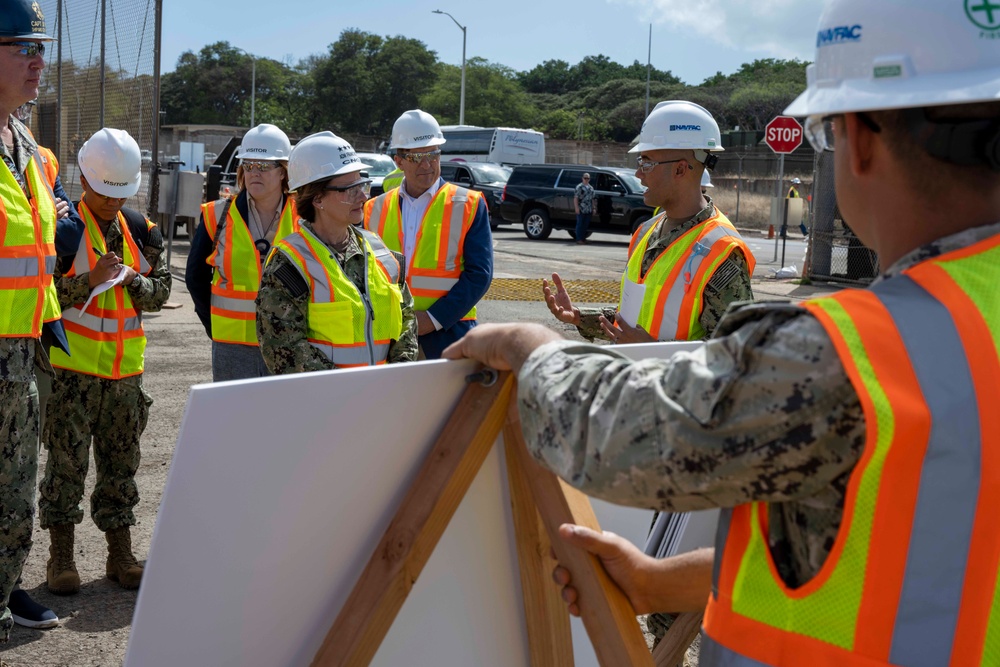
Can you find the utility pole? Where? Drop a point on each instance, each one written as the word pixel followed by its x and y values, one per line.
pixel 649 63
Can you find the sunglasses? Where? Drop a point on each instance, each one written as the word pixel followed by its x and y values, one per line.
pixel 29 49
pixel 417 158
pixel 259 165
pixel 646 166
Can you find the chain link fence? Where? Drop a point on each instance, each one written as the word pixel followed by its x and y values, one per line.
pixel 102 72
pixel 836 254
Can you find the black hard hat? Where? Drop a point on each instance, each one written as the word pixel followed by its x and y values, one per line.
pixel 21 19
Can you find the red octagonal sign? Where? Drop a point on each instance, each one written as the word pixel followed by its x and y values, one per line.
pixel 783 134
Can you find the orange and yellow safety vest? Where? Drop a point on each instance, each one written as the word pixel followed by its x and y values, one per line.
pixel 437 260
pixel 27 253
pixel 912 578
pixel 107 338
pixel 675 283
pixel 238 269
pixel 349 326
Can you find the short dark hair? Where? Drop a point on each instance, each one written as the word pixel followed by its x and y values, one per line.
pixel 923 169
pixel 304 197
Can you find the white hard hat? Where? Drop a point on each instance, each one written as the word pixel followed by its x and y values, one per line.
pixel 682 125
pixel 264 142
pixel 706 180
pixel 320 156
pixel 898 54
pixel 796 181
pixel 111 162
pixel 416 129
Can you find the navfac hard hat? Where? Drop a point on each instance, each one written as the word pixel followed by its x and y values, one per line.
pixel 264 142
pixel 112 163
pixel 416 129
pixel 898 54
pixel 706 180
pixel 321 156
pixel 677 124
pixel 20 19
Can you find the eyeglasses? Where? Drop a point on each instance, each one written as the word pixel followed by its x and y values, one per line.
pixel 646 166
pixel 29 49
pixel 349 193
pixel 820 131
pixel 417 158
pixel 259 165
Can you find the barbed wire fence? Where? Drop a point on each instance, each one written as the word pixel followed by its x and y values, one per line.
pixel 103 71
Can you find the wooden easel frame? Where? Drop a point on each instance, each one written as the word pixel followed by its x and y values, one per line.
pixel 541 502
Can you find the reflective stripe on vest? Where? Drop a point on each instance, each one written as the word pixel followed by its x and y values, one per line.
pixel 107 339
pixel 50 164
pixel 675 282
pixel 912 579
pixel 27 253
pixel 237 269
pixel 437 260
pixel 350 327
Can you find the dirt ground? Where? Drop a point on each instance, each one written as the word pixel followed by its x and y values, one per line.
pixel 96 622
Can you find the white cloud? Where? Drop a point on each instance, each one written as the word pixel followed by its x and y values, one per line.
pixel 767 28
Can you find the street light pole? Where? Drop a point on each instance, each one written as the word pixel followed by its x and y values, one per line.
pixel 461 103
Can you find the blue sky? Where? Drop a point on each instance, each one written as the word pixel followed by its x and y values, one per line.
pixel 692 38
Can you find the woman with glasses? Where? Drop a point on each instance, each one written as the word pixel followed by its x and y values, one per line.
pixel 332 295
pixel 229 248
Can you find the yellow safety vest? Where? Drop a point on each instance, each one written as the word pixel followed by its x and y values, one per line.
pixel 107 338
pixel 27 253
pixel 350 327
pixel 912 578
pixel 674 291
pixel 238 269
pixel 437 260
pixel 392 180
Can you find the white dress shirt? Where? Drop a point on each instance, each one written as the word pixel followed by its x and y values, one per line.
pixel 412 210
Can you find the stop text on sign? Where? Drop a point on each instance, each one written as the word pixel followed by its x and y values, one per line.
pixel 783 134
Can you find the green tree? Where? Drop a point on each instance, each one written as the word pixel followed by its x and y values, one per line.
pixel 493 96
pixel 552 76
pixel 366 82
pixel 216 86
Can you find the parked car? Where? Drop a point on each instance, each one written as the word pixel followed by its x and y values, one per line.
pixel 540 196
pixel 485 177
pixel 379 166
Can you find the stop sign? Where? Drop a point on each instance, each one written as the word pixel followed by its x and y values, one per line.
pixel 783 134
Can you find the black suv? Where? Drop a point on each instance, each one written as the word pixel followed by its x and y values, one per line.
pixel 486 177
pixel 541 197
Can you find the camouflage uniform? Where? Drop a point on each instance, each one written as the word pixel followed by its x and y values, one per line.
pixel 19 424
pixel 112 412
pixel 730 282
pixel 283 313
pixel 764 412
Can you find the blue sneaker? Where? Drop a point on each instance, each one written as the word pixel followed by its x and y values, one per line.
pixel 29 613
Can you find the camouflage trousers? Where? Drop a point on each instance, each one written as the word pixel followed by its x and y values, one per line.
pixel 113 414
pixel 18 466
